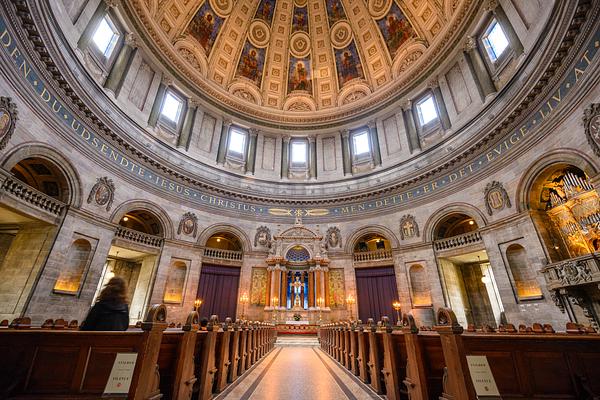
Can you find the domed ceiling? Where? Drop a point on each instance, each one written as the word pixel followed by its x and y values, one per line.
pixel 301 61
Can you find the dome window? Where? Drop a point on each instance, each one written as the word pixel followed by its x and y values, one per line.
pixel 171 107
pixel 106 37
pixel 237 142
pixel 427 110
pixel 495 41
pixel 361 143
pixel 299 150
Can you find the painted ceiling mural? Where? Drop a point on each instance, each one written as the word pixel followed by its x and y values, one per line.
pixel 301 55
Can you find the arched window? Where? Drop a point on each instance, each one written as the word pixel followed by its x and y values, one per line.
pixel 142 221
pixel 297 254
pixel 224 241
pixel 421 294
pixel 175 287
pixel 523 276
pixel 44 176
pixel 455 224
pixel 70 276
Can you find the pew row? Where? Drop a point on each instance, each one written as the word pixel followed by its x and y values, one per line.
pixel 404 362
pixel 172 363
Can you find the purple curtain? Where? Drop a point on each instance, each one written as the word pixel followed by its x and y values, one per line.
pixel 376 291
pixel 218 288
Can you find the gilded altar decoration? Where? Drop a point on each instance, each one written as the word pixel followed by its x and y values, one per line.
pixel 262 237
pixel 591 123
pixel 258 293
pixel 333 238
pixel 188 225
pixel 573 206
pixel 337 288
pixel 102 193
pixel 496 197
pixel 408 227
pixel 8 118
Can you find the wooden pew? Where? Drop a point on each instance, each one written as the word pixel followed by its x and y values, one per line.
pixel 204 361
pixel 222 360
pixel 234 352
pixel 362 360
pixel 53 364
pixel 375 363
pixel 176 360
pixel 394 361
pixel 243 351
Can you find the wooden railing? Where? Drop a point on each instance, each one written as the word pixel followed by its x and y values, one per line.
pixel 376 255
pixel 138 237
pixel 453 242
pixel 220 254
pixel 31 196
pixel 573 272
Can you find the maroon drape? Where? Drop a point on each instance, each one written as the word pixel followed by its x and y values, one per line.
pixel 218 288
pixel 376 291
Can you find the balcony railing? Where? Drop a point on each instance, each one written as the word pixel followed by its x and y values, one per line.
pixel 139 237
pixel 454 242
pixel 31 196
pixel 572 272
pixel 376 255
pixel 220 254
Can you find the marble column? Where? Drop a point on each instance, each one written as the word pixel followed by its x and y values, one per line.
pixel 478 69
pixel 251 154
pixel 285 164
pixel 283 289
pixel 188 125
pixel 312 168
pixel 410 127
pixel 223 142
pixel 311 288
pixel 119 69
pixel 376 150
pixel 346 153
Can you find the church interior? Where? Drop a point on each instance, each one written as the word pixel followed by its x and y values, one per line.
pixel 300 199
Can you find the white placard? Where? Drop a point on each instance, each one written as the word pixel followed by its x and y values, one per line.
pixel 297 322
pixel 482 377
pixel 121 374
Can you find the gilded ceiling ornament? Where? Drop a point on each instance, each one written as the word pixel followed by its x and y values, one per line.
pixel 222 7
pixel 188 225
pixel 300 44
pixel 259 33
pixel 341 34
pixel 408 227
pixel 591 124
pixel 102 193
pixel 8 120
pixel 496 197
pixel 379 8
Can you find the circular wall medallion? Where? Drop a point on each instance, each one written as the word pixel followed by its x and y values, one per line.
pixel 222 7
pixel 341 34
pixel 259 33
pixel 6 122
pixel 300 44
pixel 378 8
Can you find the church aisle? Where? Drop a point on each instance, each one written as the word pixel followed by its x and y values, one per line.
pixel 298 372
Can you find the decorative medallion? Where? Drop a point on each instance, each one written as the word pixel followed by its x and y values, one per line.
pixel 222 7
pixel 188 225
pixel 102 193
pixel 259 33
pixel 333 238
pixel 341 34
pixel 408 227
pixel 262 237
pixel 300 3
pixel 591 123
pixel 8 119
pixel 496 197
pixel 378 8
pixel 300 44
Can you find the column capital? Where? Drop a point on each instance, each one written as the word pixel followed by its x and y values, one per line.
pixel 111 3
pixel 227 122
pixel 132 40
pixel 311 139
pixel 372 124
pixel 433 83
pixel 286 139
pixel 166 80
pixel 406 105
pixel 470 44
pixel 345 133
pixel 194 102
pixel 253 132
pixel 491 5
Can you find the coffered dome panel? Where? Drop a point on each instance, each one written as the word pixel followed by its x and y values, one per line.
pixel 314 49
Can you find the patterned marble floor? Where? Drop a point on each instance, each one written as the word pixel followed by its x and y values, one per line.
pixel 297 369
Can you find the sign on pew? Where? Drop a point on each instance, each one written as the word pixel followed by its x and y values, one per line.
pixel 482 377
pixel 121 374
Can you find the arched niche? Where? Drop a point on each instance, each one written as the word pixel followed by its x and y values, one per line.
pixel 46 170
pixel 221 229
pixel 441 216
pixel 224 241
pixel 373 232
pixel 72 272
pixel 176 279
pixel 527 287
pixel 454 224
pixel 419 285
pixel 144 217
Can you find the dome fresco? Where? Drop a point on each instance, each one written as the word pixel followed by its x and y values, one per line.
pixel 303 61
